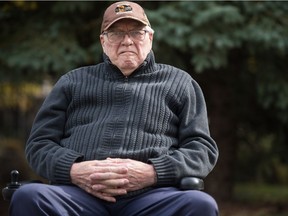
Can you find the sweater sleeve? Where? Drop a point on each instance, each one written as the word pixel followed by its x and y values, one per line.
pixel 196 152
pixel 44 152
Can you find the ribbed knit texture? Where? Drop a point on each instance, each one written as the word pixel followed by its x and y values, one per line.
pixel 157 115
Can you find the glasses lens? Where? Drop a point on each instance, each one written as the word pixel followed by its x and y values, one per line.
pixel 117 37
pixel 138 35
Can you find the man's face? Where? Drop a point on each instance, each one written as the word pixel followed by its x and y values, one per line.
pixel 128 54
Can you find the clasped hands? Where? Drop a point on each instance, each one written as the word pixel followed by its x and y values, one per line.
pixel 108 178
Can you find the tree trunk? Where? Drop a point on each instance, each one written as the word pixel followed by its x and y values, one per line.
pixel 219 97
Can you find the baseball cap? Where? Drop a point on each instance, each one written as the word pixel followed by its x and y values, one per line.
pixel 123 10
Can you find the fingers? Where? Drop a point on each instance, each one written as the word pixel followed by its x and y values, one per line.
pixel 109 191
pixel 111 183
pixel 107 194
pixel 112 168
pixel 111 186
pixel 104 196
pixel 100 176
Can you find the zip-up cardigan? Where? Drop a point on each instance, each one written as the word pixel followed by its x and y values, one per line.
pixel 157 115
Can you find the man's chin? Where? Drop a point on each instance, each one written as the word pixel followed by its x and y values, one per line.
pixel 129 63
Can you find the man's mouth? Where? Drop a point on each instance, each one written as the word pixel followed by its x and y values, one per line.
pixel 124 52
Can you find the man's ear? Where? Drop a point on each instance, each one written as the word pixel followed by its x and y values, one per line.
pixel 151 36
pixel 101 37
pixel 102 41
pixel 151 39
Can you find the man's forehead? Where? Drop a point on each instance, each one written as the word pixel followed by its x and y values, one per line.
pixel 127 22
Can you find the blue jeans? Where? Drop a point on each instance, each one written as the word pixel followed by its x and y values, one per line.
pixel 64 200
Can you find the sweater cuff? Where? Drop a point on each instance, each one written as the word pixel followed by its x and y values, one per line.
pixel 63 167
pixel 166 172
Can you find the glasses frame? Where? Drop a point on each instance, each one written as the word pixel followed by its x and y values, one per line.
pixel 122 34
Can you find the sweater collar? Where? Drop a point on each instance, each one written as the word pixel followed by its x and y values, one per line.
pixel 148 66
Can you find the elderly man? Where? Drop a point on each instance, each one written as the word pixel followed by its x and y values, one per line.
pixel 117 137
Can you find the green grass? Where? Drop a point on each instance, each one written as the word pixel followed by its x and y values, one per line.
pixel 254 199
pixel 261 193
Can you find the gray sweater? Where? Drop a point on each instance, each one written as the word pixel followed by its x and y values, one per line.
pixel 157 115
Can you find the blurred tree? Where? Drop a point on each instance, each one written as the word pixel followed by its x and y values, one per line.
pixel 242 47
pixel 41 39
pixel 236 50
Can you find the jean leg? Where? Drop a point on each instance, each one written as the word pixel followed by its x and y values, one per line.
pixel 169 202
pixel 62 200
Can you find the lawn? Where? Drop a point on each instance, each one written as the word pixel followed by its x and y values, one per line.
pixel 257 200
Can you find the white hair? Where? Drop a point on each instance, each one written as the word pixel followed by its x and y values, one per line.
pixel 149 29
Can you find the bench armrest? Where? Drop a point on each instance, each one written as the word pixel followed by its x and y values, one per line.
pixel 191 183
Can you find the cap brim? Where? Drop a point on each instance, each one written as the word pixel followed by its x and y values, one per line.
pixel 126 17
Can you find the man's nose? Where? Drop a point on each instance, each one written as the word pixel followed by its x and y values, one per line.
pixel 127 39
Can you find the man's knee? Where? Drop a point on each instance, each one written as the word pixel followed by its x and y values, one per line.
pixel 26 193
pixel 202 203
pixel 25 199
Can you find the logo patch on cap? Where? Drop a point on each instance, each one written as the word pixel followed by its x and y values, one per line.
pixel 123 8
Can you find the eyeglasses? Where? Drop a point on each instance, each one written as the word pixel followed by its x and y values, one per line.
pixel 117 37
